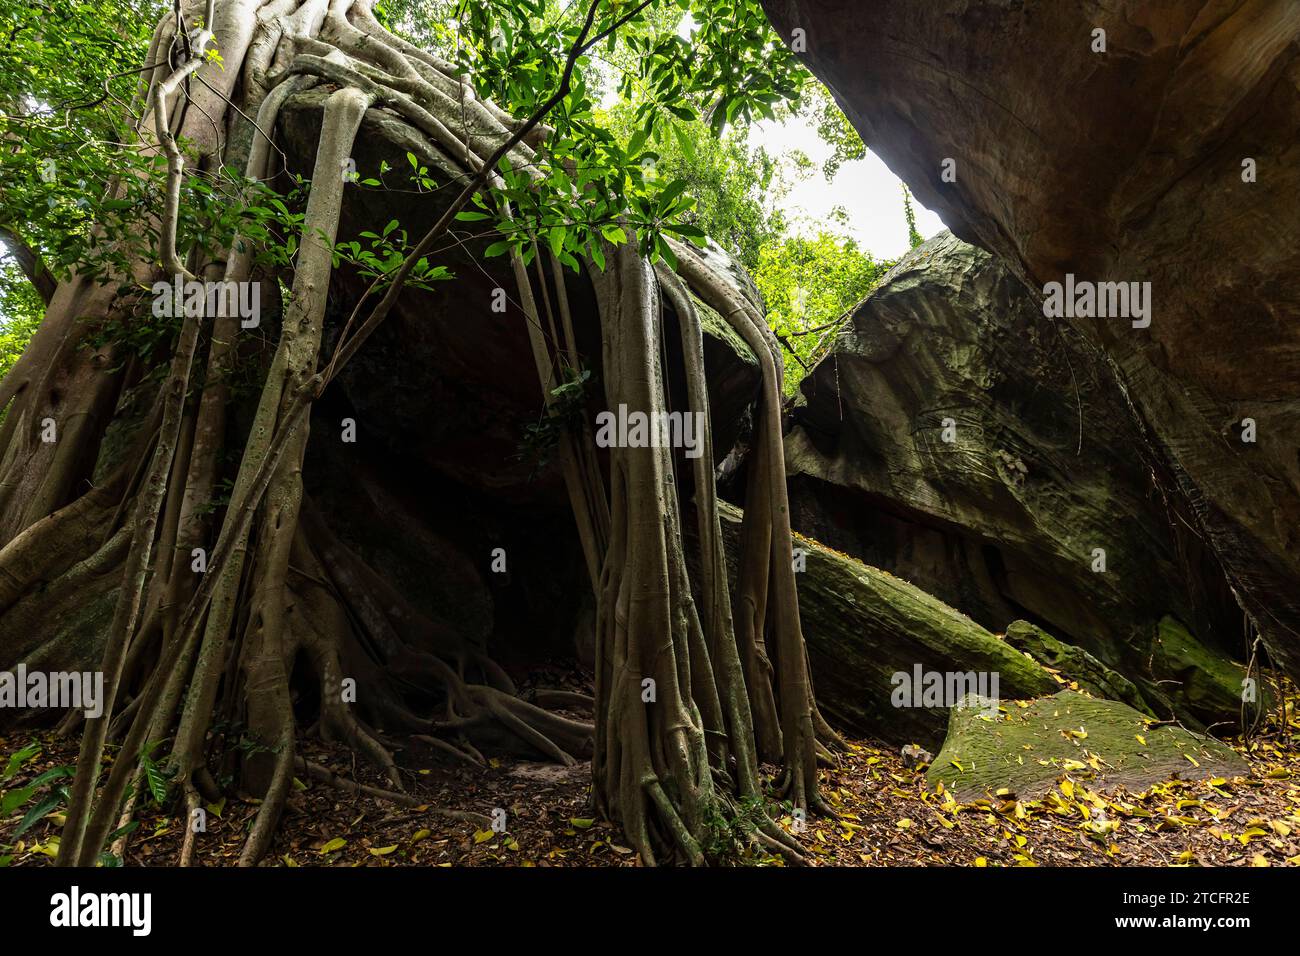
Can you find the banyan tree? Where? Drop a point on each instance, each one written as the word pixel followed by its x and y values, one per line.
pixel 228 586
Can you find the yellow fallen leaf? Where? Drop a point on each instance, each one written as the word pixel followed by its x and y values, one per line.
pixel 337 843
pixel 382 850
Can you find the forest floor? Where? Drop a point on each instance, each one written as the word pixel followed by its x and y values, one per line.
pixel 889 816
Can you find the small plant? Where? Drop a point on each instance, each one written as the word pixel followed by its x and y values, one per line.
pixel 46 792
pixel 560 418
pixel 727 835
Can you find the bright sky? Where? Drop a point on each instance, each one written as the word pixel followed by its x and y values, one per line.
pixel 872 195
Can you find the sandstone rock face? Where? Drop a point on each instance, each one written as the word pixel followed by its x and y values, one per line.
pixel 957 439
pixel 1130 164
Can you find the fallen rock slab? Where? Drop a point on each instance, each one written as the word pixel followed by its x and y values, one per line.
pixel 1031 745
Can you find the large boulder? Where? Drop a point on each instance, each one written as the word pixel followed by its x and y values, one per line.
pixel 1161 149
pixel 955 438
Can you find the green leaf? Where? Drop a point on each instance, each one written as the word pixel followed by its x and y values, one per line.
pixel 556 237
pixel 665 252
pixel 122 831
pixel 673 190
pixel 497 248
pixel 721 113
pixel 154 778
pixel 16 760
pixel 13 799
pixel 693 233
pixel 38 812
pixel 54 773
pixel 684 141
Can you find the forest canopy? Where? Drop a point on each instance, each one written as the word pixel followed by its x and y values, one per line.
pixel 67 93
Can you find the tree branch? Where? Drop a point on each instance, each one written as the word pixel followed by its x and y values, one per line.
pixel 29 260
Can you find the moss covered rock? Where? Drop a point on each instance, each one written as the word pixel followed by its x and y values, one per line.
pixel 959 441
pixel 1030 745
pixel 1075 664
pixel 1201 680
